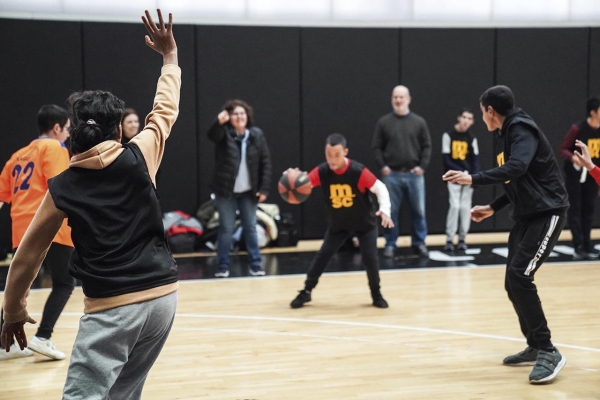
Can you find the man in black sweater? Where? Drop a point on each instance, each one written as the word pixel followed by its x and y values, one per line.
pixel 402 147
pixel 534 186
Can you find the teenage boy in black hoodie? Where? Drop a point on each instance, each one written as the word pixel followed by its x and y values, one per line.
pixel 533 184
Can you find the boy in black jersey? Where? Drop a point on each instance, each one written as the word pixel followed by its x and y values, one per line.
pixel 460 152
pixel 581 187
pixel 534 186
pixel 345 184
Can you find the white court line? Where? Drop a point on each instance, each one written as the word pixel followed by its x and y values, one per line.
pixel 345 323
pixel 372 325
pixel 329 337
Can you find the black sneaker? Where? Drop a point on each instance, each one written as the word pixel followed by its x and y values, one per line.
pixel 256 270
pixel 421 251
pixel 526 357
pixel 449 246
pixel 592 252
pixel 388 252
pixel 548 365
pixel 222 271
pixel 462 246
pixel 303 297
pixel 379 301
pixel 580 254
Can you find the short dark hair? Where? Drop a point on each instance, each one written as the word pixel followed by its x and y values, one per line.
pixel 127 112
pixel 50 115
pixel 500 98
pixel 96 116
pixel 336 138
pixel 230 105
pixel 592 104
pixel 465 110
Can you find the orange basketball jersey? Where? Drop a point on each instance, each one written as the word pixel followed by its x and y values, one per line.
pixel 24 183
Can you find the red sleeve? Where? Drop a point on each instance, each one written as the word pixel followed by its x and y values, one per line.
pixel 366 180
pixel 595 173
pixel 568 142
pixel 315 179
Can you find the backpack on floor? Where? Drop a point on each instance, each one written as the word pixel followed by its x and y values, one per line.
pixel 182 231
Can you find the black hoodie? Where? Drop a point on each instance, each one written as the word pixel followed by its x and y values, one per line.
pixel 527 167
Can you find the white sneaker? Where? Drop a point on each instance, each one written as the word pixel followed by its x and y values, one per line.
pixel 45 347
pixel 15 352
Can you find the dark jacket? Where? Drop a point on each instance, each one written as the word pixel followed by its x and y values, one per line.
pixel 527 167
pixel 117 228
pixel 227 159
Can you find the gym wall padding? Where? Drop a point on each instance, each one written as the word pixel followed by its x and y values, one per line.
pixel 41 63
pixel 260 66
pixel 346 77
pixel 131 72
pixel 547 71
pixel 445 71
pixel 304 83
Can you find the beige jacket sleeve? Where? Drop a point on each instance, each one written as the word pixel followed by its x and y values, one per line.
pixel 29 257
pixel 159 122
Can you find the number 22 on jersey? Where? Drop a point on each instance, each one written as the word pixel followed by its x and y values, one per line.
pixel 27 172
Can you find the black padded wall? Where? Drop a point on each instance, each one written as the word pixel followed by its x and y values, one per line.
pixel 130 71
pixel 594 53
pixel 40 64
pixel 304 84
pixel 347 77
pixel 261 67
pixel 594 84
pixel 547 71
pixel 445 71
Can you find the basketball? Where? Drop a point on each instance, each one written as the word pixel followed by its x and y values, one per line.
pixel 294 186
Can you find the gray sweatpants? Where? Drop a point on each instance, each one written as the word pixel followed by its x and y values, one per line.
pixel 460 208
pixel 115 349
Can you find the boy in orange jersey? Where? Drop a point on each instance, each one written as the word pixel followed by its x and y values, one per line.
pixel 23 184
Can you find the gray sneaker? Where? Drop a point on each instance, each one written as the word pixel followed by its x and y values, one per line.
pixel 526 357
pixel 546 368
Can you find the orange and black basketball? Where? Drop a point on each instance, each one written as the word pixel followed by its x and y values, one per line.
pixel 294 186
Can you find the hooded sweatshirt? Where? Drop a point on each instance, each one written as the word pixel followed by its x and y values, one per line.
pixel 527 169
pixel 108 195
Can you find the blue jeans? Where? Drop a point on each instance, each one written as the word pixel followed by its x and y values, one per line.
pixel 227 206
pixel 411 186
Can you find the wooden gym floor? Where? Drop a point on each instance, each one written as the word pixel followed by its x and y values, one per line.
pixel 443 337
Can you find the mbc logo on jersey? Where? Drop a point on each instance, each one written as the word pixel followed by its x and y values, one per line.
pixel 341 196
pixel 594 146
pixel 459 150
pixel 500 160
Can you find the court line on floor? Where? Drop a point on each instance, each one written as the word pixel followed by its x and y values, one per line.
pixel 330 337
pixel 374 325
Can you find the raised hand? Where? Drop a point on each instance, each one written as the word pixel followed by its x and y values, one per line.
pixel 223 117
pixel 161 37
